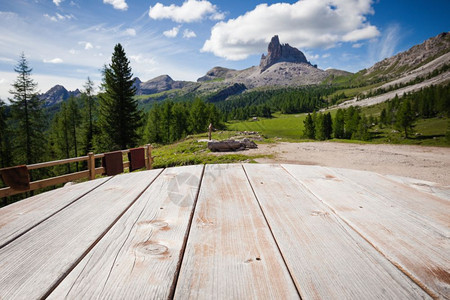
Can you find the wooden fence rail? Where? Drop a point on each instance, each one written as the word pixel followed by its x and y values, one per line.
pixel 90 173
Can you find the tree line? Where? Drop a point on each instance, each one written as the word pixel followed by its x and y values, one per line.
pixel 264 103
pixel 347 124
pixel 399 113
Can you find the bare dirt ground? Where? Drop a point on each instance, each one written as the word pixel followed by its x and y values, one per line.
pixel 425 163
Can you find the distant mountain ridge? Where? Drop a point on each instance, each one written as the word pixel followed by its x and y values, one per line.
pixel 58 94
pixel 412 58
pixel 286 66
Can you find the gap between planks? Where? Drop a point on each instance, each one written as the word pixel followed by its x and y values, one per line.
pixel 271 232
pixel 54 286
pixel 183 248
pixel 52 214
pixel 413 278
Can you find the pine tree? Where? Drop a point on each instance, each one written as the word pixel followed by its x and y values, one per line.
pixel 179 113
pixel 152 132
pixel 338 124
pixel 327 126
pixel 74 124
pixel 27 109
pixel 5 142
pixel 90 128
pixel 197 122
pixel 309 128
pixel 405 118
pixel 119 116
pixel 383 117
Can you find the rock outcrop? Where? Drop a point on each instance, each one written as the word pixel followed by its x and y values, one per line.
pixel 160 84
pixel 410 59
pixel 277 52
pixel 58 94
pixel 231 145
pixel 217 73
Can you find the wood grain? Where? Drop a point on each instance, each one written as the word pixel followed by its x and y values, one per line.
pixel 326 258
pixel 418 204
pixel 21 216
pixel 432 188
pixel 230 253
pixel 415 246
pixel 36 261
pixel 139 256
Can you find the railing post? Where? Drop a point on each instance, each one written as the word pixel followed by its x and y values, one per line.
pixel 149 158
pixel 91 165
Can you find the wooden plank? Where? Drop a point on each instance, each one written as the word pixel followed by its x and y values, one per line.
pixel 319 248
pixel 39 184
pixel 35 262
pixel 139 256
pixel 420 205
pixel 57 162
pixel 416 247
pixel 19 217
pixel 435 189
pixel 230 253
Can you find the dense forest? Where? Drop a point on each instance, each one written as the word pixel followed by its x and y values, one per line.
pixel 286 100
pixel 401 114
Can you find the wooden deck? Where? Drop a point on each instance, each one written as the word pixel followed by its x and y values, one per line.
pixel 234 231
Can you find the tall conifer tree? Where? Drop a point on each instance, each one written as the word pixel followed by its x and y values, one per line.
pixel 89 124
pixel 119 116
pixel 5 142
pixel 28 116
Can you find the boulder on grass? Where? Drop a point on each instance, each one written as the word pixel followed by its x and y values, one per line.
pixel 231 145
pixel 224 146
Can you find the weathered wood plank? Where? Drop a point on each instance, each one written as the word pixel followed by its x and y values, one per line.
pixel 420 205
pixel 230 253
pixel 319 248
pixel 23 215
pixel 139 256
pixel 36 261
pixel 416 247
pixel 432 188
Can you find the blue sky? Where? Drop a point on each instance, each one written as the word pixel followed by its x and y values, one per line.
pixel 66 41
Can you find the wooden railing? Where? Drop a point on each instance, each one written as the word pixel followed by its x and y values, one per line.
pixel 90 173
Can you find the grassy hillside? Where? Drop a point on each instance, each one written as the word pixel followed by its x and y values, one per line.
pixel 429 132
pixel 282 126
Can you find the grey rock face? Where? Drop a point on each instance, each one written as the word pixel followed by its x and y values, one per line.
pixel 58 94
pixel 277 52
pixel 160 84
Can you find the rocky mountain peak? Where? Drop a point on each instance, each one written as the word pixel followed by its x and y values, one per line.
pixel 58 94
pixel 277 52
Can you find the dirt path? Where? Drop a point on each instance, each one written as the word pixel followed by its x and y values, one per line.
pixel 425 163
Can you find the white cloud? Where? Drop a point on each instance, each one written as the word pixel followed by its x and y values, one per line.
pixel 130 32
pixel 87 45
pixel 189 11
pixel 187 34
pixel 142 59
pixel 117 4
pixel 171 33
pixel 51 18
pixel 385 46
pixel 57 2
pixel 56 60
pixel 357 45
pixel 59 17
pixel 73 51
pixel 325 55
pixel 304 24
